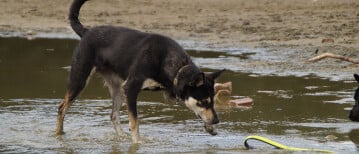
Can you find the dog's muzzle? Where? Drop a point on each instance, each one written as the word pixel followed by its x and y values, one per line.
pixel 210 129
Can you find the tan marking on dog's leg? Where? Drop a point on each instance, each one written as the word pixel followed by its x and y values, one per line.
pixel 134 124
pixel 61 114
pixel 132 88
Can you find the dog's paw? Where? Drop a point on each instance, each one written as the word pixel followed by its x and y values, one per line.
pixel 59 132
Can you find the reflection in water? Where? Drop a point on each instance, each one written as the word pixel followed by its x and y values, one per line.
pixel 297 110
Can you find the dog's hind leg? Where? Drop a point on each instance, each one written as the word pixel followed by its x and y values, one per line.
pixel 81 67
pixel 61 113
pixel 114 83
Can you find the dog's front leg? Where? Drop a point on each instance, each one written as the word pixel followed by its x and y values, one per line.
pixel 134 124
pixel 132 88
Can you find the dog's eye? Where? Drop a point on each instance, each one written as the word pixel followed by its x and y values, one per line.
pixel 200 104
pixel 204 102
pixel 207 100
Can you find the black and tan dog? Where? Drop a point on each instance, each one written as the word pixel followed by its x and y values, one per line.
pixel 126 58
pixel 354 113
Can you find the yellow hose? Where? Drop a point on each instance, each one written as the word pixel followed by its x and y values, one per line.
pixel 278 145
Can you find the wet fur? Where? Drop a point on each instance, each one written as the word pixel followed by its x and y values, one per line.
pixel 126 58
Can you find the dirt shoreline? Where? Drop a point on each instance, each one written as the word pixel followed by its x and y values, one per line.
pixel 279 35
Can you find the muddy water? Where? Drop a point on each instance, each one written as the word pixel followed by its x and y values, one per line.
pixel 307 112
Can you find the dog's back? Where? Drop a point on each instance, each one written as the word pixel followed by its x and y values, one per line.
pixel 119 49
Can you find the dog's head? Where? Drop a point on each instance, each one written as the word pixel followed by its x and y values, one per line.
pixel 197 92
pixel 354 113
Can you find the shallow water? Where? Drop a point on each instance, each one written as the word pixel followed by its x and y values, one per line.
pixel 308 112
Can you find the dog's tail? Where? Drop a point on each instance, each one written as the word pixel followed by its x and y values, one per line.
pixel 74 17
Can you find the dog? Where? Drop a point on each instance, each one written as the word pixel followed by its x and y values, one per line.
pixel 126 58
pixel 354 113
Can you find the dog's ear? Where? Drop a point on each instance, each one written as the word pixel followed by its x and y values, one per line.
pixel 356 76
pixel 198 80
pixel 190 76
pixel 215 75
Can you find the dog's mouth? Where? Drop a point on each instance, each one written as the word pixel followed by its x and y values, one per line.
pixel 210 129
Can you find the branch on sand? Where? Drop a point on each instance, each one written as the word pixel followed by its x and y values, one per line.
pixel 330 55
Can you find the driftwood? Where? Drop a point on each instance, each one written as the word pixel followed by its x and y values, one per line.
pixel 330 55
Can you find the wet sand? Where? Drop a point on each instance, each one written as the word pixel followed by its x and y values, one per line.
pixel 283 35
